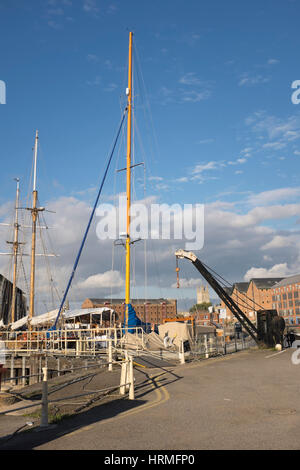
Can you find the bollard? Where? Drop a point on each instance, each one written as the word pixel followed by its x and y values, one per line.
pixel 44 420
pixel 131 379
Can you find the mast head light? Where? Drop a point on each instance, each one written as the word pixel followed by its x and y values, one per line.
pixel 127 91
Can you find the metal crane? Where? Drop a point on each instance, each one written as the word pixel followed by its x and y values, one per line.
pixel 270 325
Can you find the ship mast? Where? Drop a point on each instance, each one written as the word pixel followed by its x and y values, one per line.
pixel 128 180
pixel 34 214
pixel 15 253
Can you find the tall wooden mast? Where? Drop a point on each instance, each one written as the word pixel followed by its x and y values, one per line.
pixel 128 179
pixel 34 213
pixel 15 254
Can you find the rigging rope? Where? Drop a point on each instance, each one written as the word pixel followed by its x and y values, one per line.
pixel 90 221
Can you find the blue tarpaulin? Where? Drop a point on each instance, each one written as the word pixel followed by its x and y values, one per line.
pixel 134 321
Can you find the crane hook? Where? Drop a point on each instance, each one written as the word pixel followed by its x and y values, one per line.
pixel 177 272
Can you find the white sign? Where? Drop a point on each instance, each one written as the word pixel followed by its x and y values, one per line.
pixel 223 313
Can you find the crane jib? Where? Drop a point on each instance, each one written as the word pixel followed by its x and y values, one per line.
pixel 237 312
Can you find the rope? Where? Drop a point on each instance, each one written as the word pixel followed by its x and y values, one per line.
pixel 90 221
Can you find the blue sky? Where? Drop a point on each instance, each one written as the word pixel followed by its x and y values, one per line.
pixel 222 130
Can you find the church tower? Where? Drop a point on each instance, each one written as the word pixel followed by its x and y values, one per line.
pixel 203 295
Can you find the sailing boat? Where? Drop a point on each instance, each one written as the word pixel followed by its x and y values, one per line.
pixel 35 210
pixel 130 318
pixel 13 301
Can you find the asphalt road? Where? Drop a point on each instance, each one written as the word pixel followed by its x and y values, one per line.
pixel 248 400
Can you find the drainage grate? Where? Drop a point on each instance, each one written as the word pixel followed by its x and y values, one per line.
pixel 284 411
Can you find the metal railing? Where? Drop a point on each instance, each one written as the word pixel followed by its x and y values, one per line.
pixel 208 345
pixel 126 383
pixel 68 341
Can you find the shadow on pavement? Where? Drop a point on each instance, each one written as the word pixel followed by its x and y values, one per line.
pixel 32 439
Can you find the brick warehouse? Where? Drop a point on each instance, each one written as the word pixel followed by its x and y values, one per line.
pixel 286 299
pixel 151 310
pixel 251 296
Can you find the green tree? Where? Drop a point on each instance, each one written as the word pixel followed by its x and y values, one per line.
pixel 200 307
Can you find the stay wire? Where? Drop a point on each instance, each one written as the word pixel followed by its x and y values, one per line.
pixel 90 220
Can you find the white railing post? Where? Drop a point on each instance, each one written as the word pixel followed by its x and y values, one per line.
pixel 131 379
pixel 205 346
pixel 110 366
pixel 44 419
pixel 24 370
pixel 123 377
pixel 181 353
pixel 11 368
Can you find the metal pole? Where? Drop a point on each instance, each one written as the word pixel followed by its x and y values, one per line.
pixel 128 181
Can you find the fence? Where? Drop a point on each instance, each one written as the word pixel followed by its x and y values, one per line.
pixel 207 345
pixel 67 341
pixel 126 383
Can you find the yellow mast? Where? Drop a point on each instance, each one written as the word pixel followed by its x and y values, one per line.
pixel 128 185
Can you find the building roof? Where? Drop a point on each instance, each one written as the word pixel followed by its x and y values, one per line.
pixel 288 280
pixel 241 286
pixel 133 301
pixel 266 282
pixel 228 290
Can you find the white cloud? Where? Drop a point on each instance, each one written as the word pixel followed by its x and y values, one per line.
pixel 274 195
pixel 102 280
pixel 190 79
pixel 278 270
pixel 155 178
pixel 250 80
pixel 187 283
